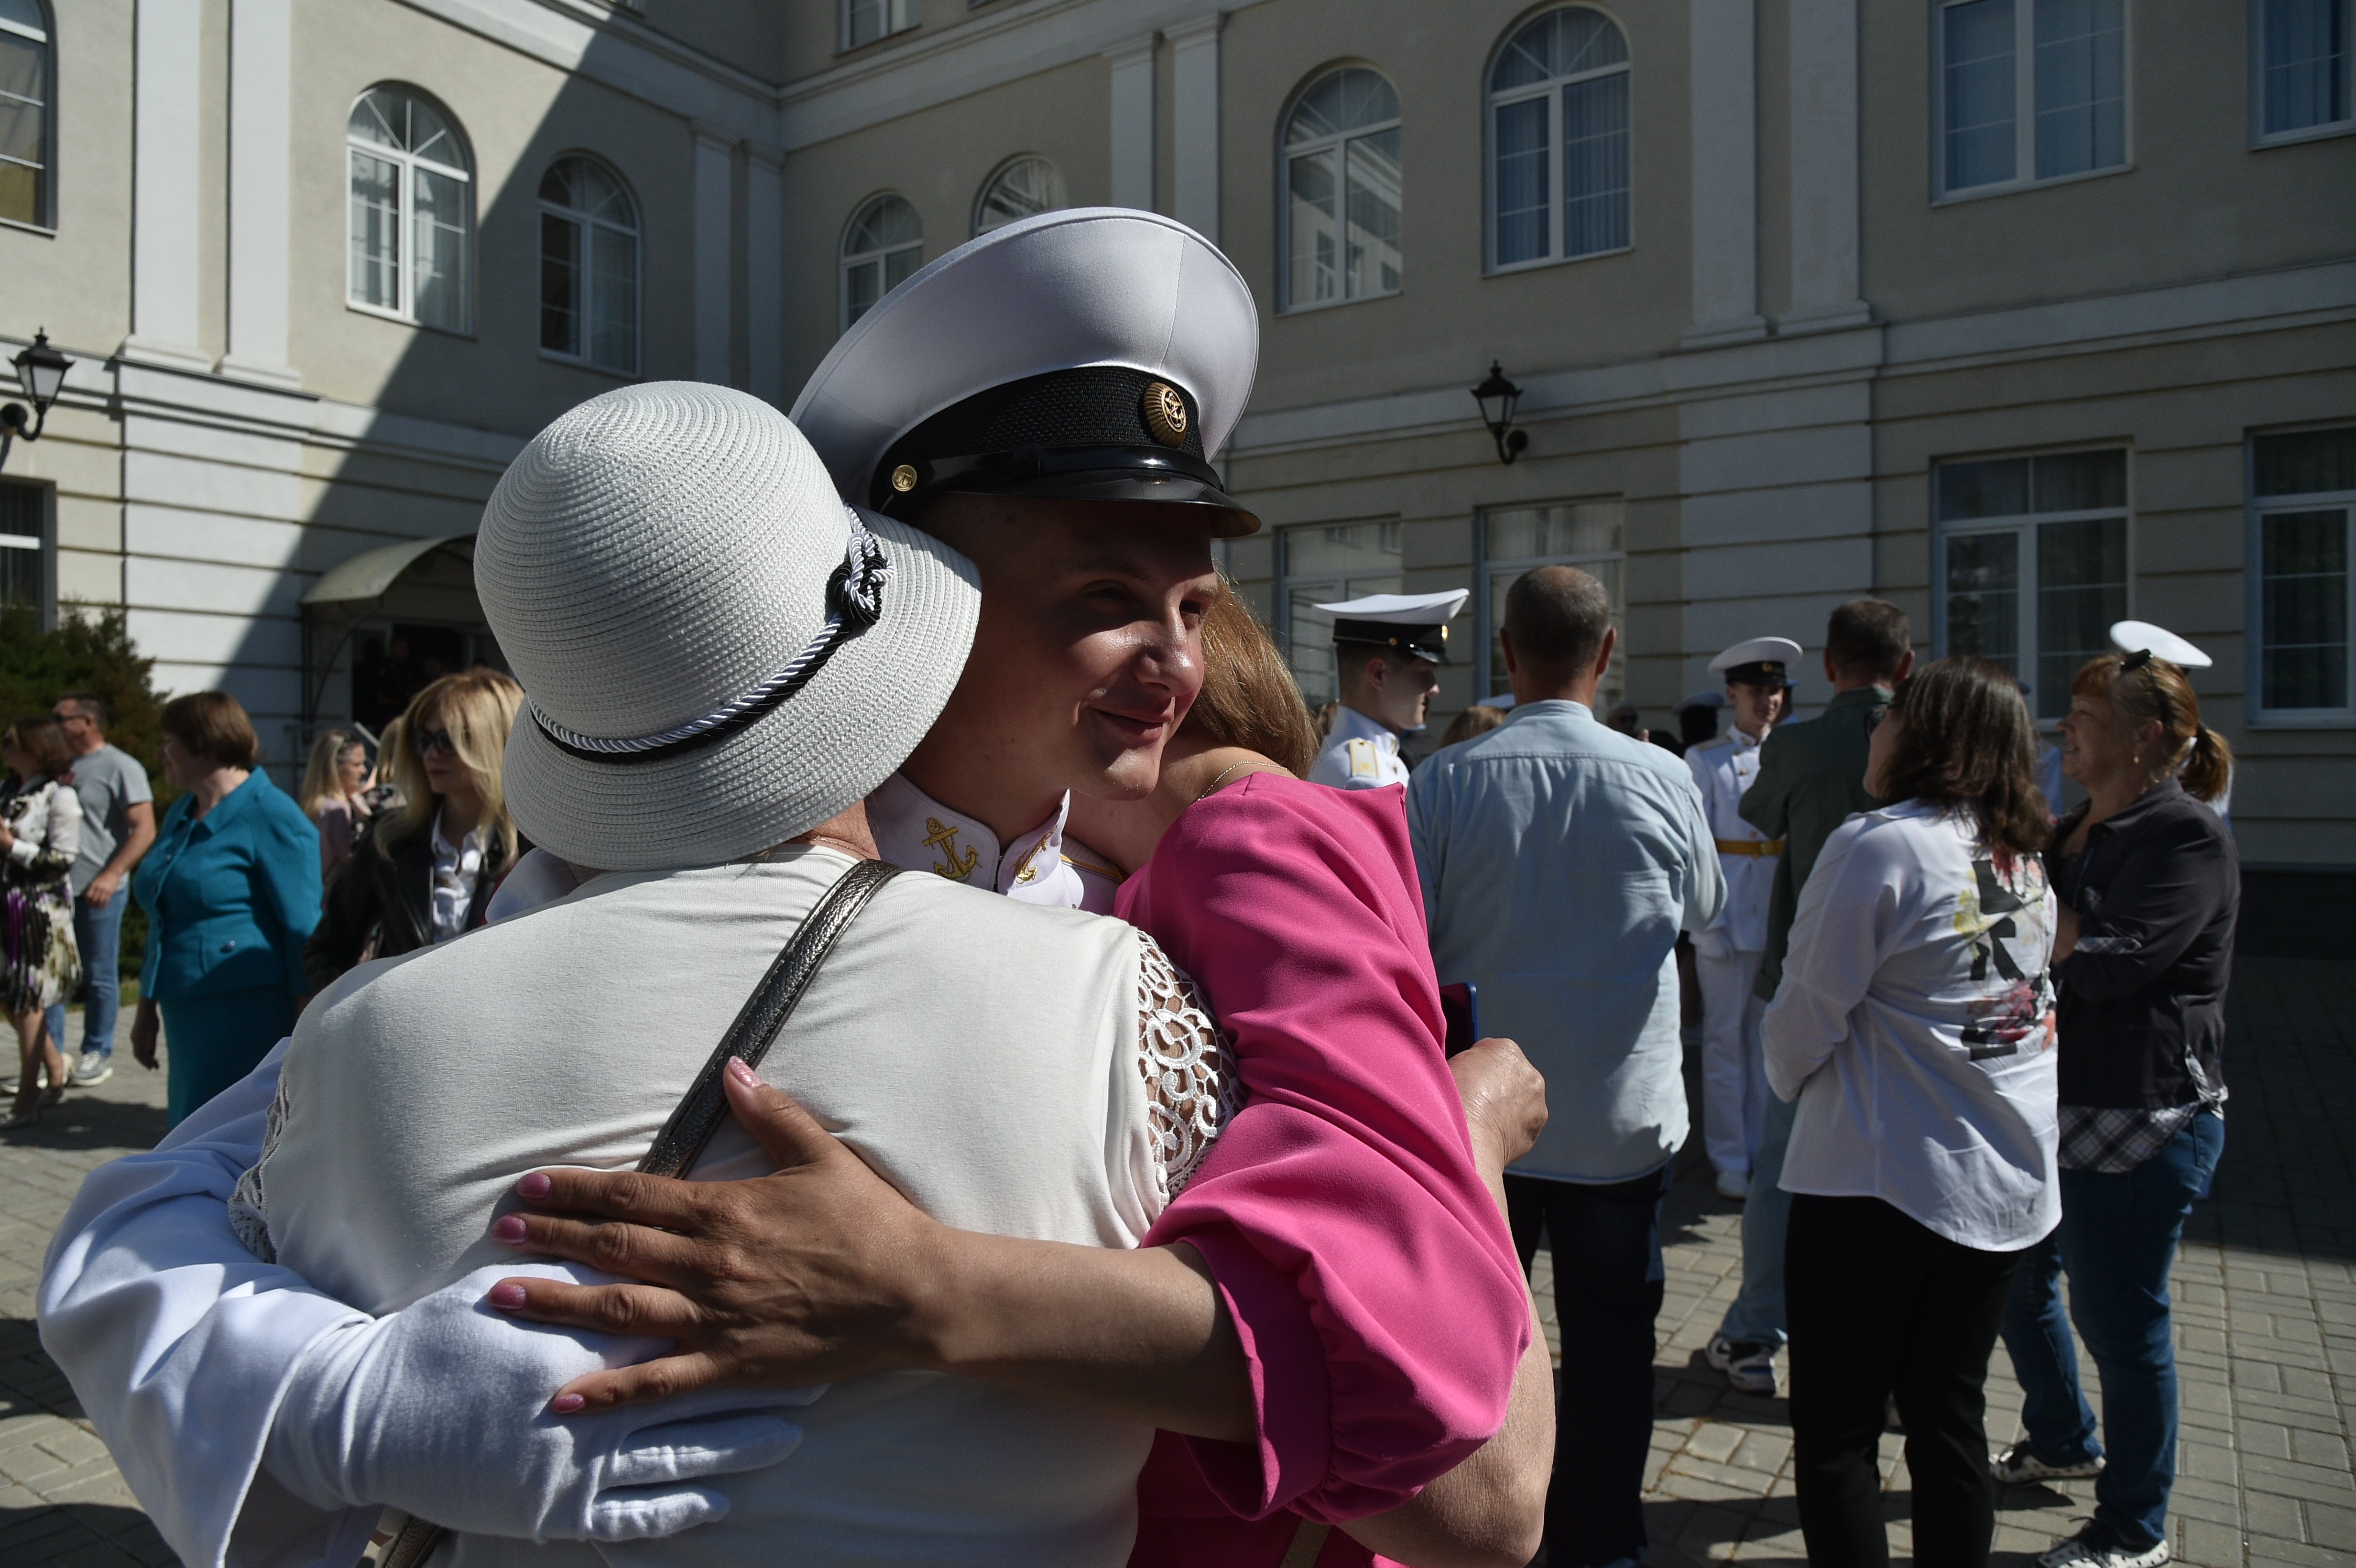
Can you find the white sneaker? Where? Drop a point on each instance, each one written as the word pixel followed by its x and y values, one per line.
pixel 2017 1466
pixel 1732 1185
pixel 2097 1546
pixel 95 1067
pixel 1750 1368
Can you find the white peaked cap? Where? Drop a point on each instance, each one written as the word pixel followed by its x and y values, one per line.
pixel 1403 609
pixel 657 567
pixel 1757 650
pixel 2142 636
pixel 1084 286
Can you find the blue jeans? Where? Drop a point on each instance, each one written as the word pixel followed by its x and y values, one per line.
pixel 1756 1315
pixel 1607 1284
pixel 97 932
pixel 2116 1243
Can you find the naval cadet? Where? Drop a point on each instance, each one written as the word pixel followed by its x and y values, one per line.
pixel 1387 648
pixel 1728 953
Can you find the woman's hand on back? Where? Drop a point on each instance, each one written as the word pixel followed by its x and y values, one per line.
pixel 1504 1101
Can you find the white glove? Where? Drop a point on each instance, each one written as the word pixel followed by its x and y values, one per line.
pixel 441 1410
pixel 1714 944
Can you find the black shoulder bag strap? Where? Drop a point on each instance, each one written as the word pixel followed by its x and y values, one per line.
pixel 402 1540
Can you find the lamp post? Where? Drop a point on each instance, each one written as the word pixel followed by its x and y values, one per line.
pixel 1497 397
pixel 41 369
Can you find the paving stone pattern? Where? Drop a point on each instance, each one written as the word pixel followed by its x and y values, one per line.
pixel 2266 1325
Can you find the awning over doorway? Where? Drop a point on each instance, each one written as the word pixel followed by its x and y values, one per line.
pixel 429 580
pixel 372 573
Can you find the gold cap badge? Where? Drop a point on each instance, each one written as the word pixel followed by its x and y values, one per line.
pixel 904 478
pixel 1165 414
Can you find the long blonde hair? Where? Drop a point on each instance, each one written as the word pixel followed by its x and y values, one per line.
pixel 478 708
pixel 319 771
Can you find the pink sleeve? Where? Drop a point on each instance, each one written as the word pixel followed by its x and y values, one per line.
pixel 1370 1274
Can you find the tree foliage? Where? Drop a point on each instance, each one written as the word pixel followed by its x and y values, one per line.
pixel 89 650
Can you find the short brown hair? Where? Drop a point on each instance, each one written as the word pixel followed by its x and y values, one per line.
pixel 2154 689
pixel 1249 698
pixel 1477 719
pixel 1966 744
pixel 43 740
pixel 86 703
pixel 1558 617
pixel 1869 637
pixel 212 726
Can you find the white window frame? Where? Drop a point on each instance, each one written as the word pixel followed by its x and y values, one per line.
pixel 2024 107
pixel 1551 88
pixel 844 261
pixel 583 223
pixel 1286 581
pixel 2258 715
pixel 2023 526
pixel 46 221
pixel 1338 141
pixel 1487 613
pixel 38 543
pixel 899 16
pixel 405 225
pixel 2343 126
pixel 982 196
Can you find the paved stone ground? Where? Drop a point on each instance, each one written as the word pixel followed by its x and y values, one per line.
pixel 2265 1320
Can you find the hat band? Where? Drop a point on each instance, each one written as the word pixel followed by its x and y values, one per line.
pixel 854 602
pixel 990 470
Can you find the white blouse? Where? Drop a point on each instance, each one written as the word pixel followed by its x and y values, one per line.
pixel 1915 1024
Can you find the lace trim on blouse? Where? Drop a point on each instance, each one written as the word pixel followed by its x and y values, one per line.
pixel 1192 1091
pixel 1192 1088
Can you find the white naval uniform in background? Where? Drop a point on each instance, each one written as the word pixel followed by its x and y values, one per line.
pixel 1359 754
pixel 1733 1070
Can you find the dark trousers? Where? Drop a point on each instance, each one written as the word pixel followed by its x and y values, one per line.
pixel 1608 1277
pixel 1881 1305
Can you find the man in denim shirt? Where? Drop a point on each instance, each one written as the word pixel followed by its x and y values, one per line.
pixel 1560 860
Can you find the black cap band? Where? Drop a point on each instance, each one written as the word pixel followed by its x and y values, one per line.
pixel 1424 641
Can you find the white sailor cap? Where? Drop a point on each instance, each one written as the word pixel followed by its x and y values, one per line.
pixel 1416 623
pixel 1710 700
pixel 1759 661
pixel 1094 353
pixel 2143 638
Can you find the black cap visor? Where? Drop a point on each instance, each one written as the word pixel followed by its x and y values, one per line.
pixel 1112 474
pixel 1765 672
pixel 1422 642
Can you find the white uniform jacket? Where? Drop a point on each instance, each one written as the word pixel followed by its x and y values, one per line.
pixel 1723 769
pixel 1359 754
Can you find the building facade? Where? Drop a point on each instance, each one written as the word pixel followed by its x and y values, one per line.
pixel 2029 315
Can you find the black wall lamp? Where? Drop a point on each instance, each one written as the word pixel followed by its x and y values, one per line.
pixel 1497 397
pixel 42 370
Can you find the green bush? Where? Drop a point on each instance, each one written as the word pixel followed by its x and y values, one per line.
pixel 89 650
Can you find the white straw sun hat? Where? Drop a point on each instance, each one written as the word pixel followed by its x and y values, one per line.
pixel 717 653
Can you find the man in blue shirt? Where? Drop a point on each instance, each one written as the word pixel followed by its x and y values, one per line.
pixel 1560 860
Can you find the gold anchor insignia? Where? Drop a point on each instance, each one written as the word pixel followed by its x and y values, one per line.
pixel 944 839
pixel 1165 414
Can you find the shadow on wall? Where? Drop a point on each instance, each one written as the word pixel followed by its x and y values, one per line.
pixel 608 242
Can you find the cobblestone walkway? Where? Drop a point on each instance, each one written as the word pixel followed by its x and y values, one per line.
pixel 2265 1322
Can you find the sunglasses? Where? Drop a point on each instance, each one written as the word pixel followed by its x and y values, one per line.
pixel 426 742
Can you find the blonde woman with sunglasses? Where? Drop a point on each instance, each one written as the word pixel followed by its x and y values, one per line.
pixel 425 872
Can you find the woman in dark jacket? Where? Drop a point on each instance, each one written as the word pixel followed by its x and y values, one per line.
pixel 2151 885
pixel 425 872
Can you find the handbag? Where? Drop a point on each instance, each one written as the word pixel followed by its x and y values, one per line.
pixel 402 1541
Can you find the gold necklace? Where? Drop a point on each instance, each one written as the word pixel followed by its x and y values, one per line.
pixel 1257 765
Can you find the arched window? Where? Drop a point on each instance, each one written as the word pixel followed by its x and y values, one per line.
pixel 1020 187
pixel 588 267
pixel 884 243
pixel 1341 190
pixel 412 210
pixel 1558 140
pixel 24 111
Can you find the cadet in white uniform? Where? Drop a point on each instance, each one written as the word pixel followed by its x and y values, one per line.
pixel 1733 1072
pixel 1388 647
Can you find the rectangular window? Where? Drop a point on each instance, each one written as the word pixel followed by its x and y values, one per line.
pixel 1595 164
pixel 864 21
pixel 1524 182
pixel 2032 557
pixel 1323 563
pixel 375 233
pixel 23 556
pixel 2303 488
pixel 440 240
pixel 1514 541
pixel 24 119
pixel 560 285
pixel 2299 67
pixel 2045 75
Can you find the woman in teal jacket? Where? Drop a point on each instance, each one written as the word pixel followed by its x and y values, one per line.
pixel 232 890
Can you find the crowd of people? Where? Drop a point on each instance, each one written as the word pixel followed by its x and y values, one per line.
pixel 1125 1154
